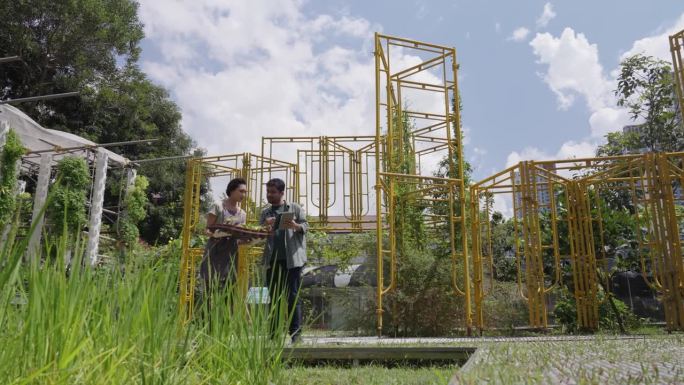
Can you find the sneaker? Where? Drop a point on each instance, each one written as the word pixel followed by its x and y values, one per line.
pixel 296 338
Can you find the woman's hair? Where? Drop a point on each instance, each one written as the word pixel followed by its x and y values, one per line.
pixel 234 184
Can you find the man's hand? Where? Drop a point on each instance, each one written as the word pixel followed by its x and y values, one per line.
pixel 292 225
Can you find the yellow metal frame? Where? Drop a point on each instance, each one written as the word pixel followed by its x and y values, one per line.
pixel 256 170
pixel 335 178
pixel 677 50
pixel 524 183
pixel 332 174
pixel 649 179
pixel 431 132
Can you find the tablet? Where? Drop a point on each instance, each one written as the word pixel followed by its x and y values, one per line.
pixel 283 219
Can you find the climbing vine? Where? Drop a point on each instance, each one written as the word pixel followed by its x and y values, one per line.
pixel 11 153
pixel 135 210
pixel 66 210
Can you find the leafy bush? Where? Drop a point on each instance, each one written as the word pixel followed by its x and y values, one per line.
pixel 565 313
pixel 134 211
pixel 10 154
pixel 504 308
pixel 66 209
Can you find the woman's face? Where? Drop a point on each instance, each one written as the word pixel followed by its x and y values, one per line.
pixel 239 194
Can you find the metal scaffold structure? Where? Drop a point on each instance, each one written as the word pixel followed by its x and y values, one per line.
pixel 343 180
pixel 417 122
pixel 336 173
pixel 559 209
pixel 366 183
pixel 255 169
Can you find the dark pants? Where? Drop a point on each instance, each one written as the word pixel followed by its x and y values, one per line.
pixel 284 283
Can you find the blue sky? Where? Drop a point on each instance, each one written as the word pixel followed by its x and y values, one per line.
pixel 536 77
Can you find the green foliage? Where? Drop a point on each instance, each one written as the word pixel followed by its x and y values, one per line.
pixel 134 211
pixel 65 45
pixel 409 227
pixel 504 308
pixel 503 247
pixel 339 249
pixel 121 325
pixel 66 211
pixel 646 87
pixel 565 313
pixel 92 46
pixel 11 153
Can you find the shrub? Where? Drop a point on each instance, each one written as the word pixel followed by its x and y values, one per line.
pixel 10 154
pixel 565 313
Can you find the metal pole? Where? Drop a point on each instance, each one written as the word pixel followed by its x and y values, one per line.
pixel 96 207
pixel 9 59
pixel 94 146
pixel 39 98
pixel 38 203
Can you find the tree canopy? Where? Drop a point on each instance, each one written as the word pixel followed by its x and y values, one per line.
pixel 92 46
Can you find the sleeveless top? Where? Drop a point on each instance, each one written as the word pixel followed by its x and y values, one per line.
pixel 225 217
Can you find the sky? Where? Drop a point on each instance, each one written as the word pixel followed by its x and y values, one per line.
pixel 536 78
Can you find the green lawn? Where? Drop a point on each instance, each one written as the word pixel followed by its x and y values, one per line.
pixel 367 375
pixel 652 360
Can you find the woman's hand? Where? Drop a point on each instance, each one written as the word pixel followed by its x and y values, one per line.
pixel 268 223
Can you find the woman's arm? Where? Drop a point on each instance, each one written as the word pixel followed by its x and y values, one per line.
pixel 211 220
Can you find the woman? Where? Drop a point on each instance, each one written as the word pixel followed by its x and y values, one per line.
pixel 219 265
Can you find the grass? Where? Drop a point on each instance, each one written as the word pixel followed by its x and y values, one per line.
pixel 122 326
pixel 649 360
pixel 367 375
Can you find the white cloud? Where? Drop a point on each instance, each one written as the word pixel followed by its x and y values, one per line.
pixel 528 153
pixel 568 150
pixel 573 68
pixel 656 45
pixel 242 70
pixel 547 15
pixel 519 34
pixel 503 204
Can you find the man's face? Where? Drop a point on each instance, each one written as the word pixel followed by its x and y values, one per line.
pixel 274 196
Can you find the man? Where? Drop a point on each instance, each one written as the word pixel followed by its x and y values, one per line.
pixel 284 254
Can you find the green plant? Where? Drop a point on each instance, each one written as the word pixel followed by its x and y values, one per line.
pixel 565 313
pixel 10 154
pixel 66 211
pixel 121 325
pixel 134 211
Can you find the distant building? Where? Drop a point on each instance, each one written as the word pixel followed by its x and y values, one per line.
pixel 638 130
pixel 543 193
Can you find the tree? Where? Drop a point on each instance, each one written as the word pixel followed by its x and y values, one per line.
pixel 646 87
pixel 503 247
pixel 92 46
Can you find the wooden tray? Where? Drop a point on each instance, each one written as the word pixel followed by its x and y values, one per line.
pixel 239 231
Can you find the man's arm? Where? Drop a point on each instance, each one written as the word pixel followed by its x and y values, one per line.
pixel 301 220
pixel 262 217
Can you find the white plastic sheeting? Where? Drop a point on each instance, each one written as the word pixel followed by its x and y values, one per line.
pixel 34 137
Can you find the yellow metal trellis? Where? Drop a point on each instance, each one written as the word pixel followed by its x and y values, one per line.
pixel 650 181
pixel 432 133
pixel 254 169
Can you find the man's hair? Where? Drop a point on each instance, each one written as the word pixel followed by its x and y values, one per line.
pixel 277 183
pixel 234 184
